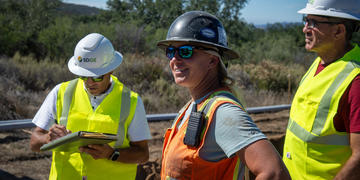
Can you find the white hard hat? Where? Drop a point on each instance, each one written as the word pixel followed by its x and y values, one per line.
pixel 94 55
pixel 347 9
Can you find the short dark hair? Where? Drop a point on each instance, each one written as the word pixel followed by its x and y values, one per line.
pixel 351 26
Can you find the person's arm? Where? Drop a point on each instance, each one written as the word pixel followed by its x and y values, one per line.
pixel 138 152
pixel 351 169
pixel 264 161
pixel 236 133
pixel 41 136
pixel 44 120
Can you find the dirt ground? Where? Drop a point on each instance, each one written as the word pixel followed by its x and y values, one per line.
pixel 17 162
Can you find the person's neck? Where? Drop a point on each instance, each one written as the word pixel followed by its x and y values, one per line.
pixel 334 53
pixel 209 84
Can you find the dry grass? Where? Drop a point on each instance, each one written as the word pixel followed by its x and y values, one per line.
pixel 25 82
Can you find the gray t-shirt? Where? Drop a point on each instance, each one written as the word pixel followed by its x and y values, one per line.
pixel 230 131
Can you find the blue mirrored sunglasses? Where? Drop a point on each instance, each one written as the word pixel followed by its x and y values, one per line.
pixel 184 52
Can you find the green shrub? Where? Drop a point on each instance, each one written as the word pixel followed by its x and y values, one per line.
pixel 16 100
pixel 273 76
pixel 39 76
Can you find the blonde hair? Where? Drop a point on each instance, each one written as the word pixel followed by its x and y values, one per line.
pixel 226 80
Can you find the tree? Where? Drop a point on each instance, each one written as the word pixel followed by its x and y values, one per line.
pixel 24 19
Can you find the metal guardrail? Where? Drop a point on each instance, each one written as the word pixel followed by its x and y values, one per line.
pixel 16 124
pixel 26 123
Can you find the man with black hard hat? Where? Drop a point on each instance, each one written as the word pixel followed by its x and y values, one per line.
pixel 212 137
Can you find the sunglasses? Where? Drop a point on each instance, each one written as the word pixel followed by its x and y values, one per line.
pixel 184 52
pixel 311 23
pixel 95 79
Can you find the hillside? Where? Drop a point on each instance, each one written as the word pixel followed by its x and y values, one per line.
pixel 75 9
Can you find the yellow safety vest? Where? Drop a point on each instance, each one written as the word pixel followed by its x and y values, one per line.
pixel 113 115
pixel 313 148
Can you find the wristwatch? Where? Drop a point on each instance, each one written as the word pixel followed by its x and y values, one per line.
pixel 115 155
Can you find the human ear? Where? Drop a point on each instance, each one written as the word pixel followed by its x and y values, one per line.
pixel 214 61
pixel 340 31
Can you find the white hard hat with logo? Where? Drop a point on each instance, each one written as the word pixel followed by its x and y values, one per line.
pixel 347 9
pixel 94 55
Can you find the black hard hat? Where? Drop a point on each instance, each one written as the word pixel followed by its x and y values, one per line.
pixel 199 28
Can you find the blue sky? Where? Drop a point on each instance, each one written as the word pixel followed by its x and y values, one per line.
pixel 256 11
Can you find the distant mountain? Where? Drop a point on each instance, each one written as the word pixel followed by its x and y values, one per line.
pixel 76 9
pixel 261 26
pixel 265 26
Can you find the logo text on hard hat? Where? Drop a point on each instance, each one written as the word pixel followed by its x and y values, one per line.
pixel 311 1
pixel 222 36
pixel 81 59
pixel 208 33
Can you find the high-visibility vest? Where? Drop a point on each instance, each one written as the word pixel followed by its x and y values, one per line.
pixel 183 162
pixel 313 148
pixel 113 115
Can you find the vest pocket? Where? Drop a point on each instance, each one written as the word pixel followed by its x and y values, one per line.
pixel 326 160
pixel 102 122
pixel 305 111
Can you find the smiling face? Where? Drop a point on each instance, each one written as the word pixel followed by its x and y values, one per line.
pixel 191 72
pixel 319 38
pixel 97 88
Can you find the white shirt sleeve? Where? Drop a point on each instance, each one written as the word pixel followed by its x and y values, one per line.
pixel 46 115
pixel 139 129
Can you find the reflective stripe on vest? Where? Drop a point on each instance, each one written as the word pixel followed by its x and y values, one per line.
pixel 124 113
pixel 207 101
pixel 69 92
pixel 333 139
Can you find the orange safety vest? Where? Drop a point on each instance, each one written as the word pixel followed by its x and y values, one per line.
pixel 180 161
